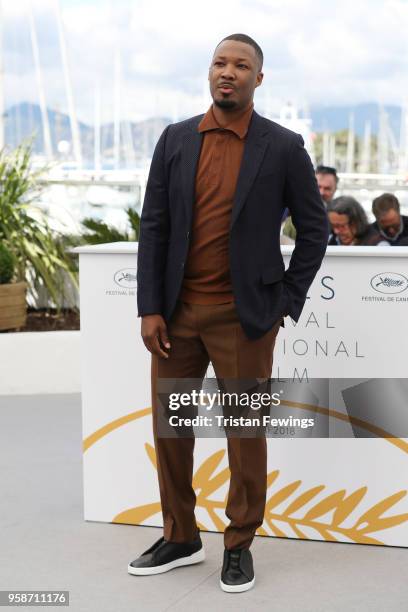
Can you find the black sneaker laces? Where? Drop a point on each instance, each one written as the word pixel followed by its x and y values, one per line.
pixel 234 560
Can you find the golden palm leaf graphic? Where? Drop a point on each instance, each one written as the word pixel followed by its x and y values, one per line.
pixel 326 517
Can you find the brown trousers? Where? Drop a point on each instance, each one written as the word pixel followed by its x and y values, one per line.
pixel 199 334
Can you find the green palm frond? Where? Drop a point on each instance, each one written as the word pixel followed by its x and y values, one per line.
pixel 39 252
pixel 99 232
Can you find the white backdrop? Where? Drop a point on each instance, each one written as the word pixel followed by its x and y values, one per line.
pixel 354 325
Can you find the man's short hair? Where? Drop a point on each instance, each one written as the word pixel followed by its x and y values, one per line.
pixel 384 203
pixel 249 41
pixel 321 169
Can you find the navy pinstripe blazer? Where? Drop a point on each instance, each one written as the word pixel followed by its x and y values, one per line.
pixel 276 171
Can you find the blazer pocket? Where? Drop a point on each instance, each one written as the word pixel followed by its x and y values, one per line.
pixel 273 274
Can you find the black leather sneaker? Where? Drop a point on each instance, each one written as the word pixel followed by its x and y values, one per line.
pixel 164 556
pixel 237 573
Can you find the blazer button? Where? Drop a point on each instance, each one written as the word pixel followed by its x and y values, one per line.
pixel 182 264
pixel 188 234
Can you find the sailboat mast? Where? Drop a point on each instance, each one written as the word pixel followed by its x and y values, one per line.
pixel 116 111
pixel 365 164
pixel 403 144
pixel 41 92
pixel 68 86
pixel 350 145
pixel 97 128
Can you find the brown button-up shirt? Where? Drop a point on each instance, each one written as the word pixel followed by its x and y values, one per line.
pixel 207 270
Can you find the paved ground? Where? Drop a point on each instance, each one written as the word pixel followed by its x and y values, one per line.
pixel 46 544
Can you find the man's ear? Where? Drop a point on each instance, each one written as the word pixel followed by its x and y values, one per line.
pixel 259 79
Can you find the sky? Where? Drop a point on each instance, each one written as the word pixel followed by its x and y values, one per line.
pixel 316 52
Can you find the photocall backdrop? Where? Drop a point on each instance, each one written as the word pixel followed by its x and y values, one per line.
pixel 347 489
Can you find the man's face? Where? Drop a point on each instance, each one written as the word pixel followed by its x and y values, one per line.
pixel 342 228
pixel 233 75
pixel 327 186
pixel 390 222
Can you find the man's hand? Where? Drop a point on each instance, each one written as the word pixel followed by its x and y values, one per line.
pixel 154 334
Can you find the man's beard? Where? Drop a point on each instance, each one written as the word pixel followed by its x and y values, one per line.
pixel 226 104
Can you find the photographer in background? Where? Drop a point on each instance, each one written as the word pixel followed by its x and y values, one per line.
pixel 349 224
pixel 389 222
pixel 327 181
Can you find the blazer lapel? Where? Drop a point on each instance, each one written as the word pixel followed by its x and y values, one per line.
pixel 254 151
pixel 190 153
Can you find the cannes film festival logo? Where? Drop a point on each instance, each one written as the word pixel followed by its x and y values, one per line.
pixel 126 278
pixel 389 282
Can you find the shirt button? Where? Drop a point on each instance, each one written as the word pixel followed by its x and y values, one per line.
pixel 188 234
pixel 182 264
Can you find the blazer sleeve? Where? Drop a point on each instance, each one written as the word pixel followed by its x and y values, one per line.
pixel 153 235
pixel 309 217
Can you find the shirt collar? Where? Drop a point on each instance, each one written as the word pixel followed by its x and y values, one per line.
pixel 239 126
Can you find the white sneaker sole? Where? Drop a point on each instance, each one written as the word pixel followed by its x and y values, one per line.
pixel 237 588
pixel 160 569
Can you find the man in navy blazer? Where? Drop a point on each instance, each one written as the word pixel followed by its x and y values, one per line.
pixel 273 172
pixel 276 171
